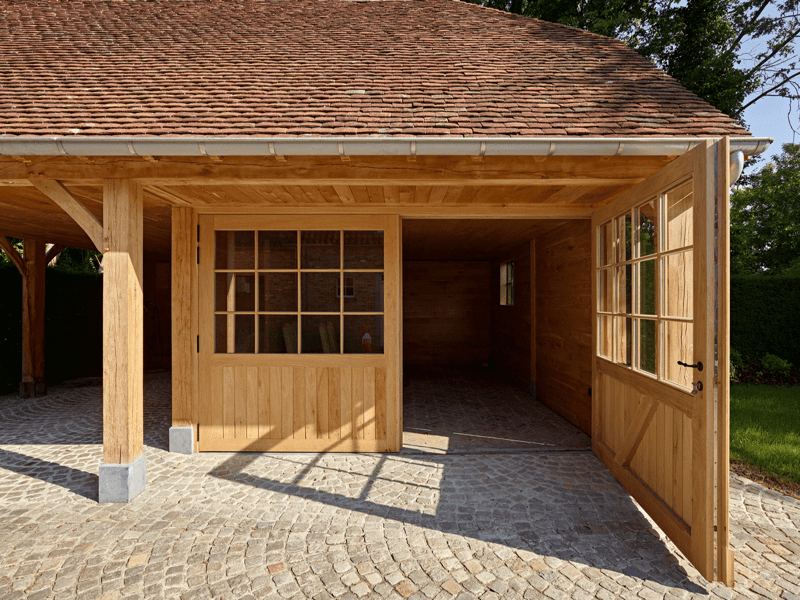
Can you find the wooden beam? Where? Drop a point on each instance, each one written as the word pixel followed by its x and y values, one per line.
pixel 184 245
pixel 641 420
pixel 56 191
pixel 123 318
pixel 15 257
pixel 33 306
pixel 54 251
pixel 415 211
pixel 330 170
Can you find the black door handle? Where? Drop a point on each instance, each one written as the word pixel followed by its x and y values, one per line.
pixel 698 366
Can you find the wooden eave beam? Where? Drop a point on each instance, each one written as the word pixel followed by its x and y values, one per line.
pixel 56 191
pixel 382 171
pixel 15 256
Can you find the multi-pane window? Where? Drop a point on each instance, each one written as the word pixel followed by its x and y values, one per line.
pixel 645 284
pixel 507 284
pixel 310 292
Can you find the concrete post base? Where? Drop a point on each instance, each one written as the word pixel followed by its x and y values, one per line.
pixel 181 440
pixel 122 483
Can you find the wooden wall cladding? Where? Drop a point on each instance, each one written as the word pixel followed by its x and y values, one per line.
pixel 564 322
pixel 511 325
pixel 663 459
pixel 446 312
pixel 296 408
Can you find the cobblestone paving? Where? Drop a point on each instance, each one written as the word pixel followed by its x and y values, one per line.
pixel 466 410
pixel 533 525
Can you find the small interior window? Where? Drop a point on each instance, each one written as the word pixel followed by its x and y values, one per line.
pixel 507 284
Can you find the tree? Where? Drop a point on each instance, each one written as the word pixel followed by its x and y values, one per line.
pixel 765 218
pixel 731 53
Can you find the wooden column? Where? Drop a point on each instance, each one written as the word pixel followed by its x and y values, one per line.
pixel 184 249
pixel 33 379
pixel 123 358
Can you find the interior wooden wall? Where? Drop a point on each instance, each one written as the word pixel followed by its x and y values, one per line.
pixel 446 315
pixel 563 322
pixel 511 325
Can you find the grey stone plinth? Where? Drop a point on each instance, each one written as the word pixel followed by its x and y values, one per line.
pixel 181 440
pixel 122 483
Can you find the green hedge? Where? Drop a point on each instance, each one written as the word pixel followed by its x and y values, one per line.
pixel 765 316
pixel 73 326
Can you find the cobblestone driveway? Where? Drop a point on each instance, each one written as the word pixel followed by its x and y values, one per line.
pixel 526 524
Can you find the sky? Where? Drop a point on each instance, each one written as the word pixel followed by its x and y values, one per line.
pixel 769 118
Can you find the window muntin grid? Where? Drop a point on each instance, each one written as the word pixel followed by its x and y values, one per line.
pixel 281 291
pixel 645 283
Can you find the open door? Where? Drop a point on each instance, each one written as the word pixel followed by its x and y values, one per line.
pixel 660 404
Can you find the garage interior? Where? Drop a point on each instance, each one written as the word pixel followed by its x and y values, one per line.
pixel 482 375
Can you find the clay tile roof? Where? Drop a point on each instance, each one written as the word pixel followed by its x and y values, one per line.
pixel 289 68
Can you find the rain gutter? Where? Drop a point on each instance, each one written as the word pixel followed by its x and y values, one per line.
pixel 351 146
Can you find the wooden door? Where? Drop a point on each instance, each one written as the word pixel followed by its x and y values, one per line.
pixel 299 333
pixel 660 280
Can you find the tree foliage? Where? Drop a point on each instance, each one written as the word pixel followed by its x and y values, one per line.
pixel 731 53
pixel 765 218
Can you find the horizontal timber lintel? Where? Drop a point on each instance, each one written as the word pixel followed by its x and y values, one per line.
pixel 415 211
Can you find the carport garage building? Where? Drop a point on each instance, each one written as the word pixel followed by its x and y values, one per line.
pixel 297 162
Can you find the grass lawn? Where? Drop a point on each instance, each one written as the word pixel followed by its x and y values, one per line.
pixel 765 429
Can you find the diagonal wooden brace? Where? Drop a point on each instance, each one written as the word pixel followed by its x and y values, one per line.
pixel 633 437
pixel 56 191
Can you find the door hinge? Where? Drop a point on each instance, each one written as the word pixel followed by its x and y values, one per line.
pixel 198 233
pixel 198 344
pixel 198 255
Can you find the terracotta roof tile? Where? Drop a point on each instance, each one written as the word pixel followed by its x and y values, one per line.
pixel 337 67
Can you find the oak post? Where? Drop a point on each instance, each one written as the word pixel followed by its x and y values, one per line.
pixel 33 282
pixel 182 433
pixel 122 474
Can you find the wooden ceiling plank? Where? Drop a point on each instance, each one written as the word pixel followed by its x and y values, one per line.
pixel 56 191
pixel 468 195
pixel 568 195
pixel 282 193
pixel 437 195
pixel 391 193
pixel 422 194
pixel 453 194
pixel 330 195
pixel 407 193
pixel 167 196
pixel 345 194
pixel 360 193
pixel 376 195
pixel 313 193
pixel 253 193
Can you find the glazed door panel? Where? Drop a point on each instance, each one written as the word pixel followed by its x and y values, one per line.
pixel 659 417
pixel 299 333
